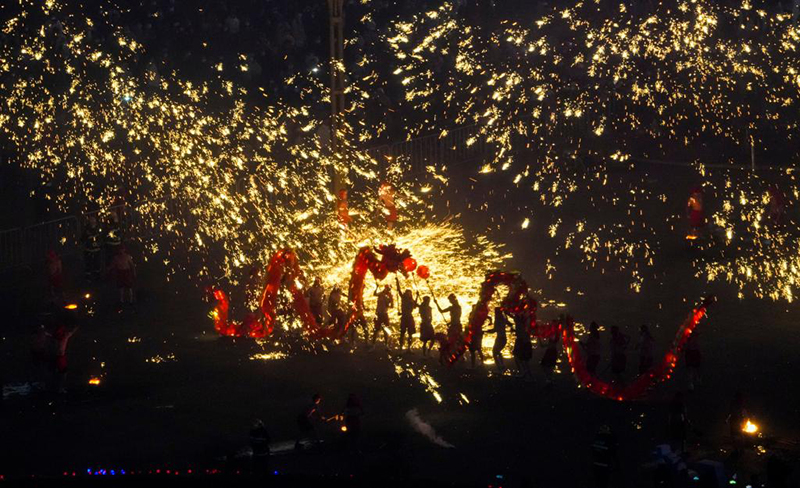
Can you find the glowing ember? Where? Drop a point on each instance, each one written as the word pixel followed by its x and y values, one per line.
pixel 71 306
pixel 270 356
pixel 94 381
pixel 749 427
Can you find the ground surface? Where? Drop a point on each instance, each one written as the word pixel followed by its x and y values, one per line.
pixel 197 404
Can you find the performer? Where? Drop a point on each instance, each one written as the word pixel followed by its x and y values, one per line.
pixel 454 330
pixel 92 248
pixel 619 343
pixel 113 238
pixel 125 271
pixel 386 194
pixel 353 411
pixel 604 456
pixel 307 422
pixel 359 323
pixel 259 443
pixel 315 294
pixel 694 360
pixel 696 212
pixel 592 348
pixel 678 423
pixel 62 336
pixel 645 347
pixel 426 332
pixel 385 302
pixel 476 341
pixel 336 316
pixel 550 358
pixel 55 275
pixel 500 325
pixel 342 209
pixel 777 206
pixel 737 416
pixel 407 306
pixel 523 349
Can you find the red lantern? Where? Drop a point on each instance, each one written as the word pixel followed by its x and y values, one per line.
pixel 409 264
pixel 423 272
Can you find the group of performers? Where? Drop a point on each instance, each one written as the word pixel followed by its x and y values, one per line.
pixel 335 314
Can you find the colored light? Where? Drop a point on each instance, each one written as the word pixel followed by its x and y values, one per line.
pixel 71 306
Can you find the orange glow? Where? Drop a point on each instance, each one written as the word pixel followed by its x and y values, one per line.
pixel 71 306
pixel 749 427
pixel 94 381
pixel 344 428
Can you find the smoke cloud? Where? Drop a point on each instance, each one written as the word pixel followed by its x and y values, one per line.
pixel 425 429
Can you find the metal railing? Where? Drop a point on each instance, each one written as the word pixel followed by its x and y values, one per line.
pixel 26 246
pixel 457 146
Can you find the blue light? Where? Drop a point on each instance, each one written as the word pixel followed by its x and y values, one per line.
pixel 275 473
pixel 113 473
